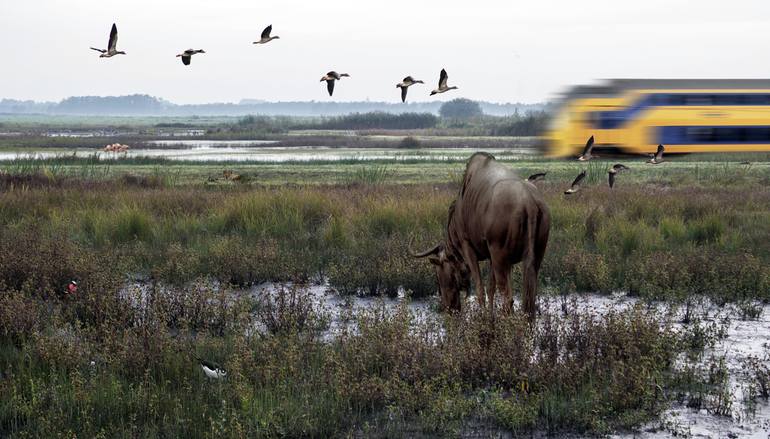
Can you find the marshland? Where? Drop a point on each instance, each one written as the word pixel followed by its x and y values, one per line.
pixel 295 277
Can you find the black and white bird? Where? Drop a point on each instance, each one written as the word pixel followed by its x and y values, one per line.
pixel 442 87
pixel 111 45
pixel 330 78
pixel 614 170
pixel 212 370
pixel 658 157
pixel 187 55
pixel 535 177
pixel 576 184
pixel 265 37
pixel 586 155
pixel 405 84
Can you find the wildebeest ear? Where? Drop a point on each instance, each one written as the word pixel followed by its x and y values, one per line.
pixel 434 260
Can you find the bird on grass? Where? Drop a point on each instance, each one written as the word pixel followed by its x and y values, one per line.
pixel 111 45
pixel 442 87
pixel 187 55
pixel 658 157
pixel 405 84
pixel 212 370
pixel 535 177
pixel 330 78
pixel 586 155
pixel 265 37
pixel 576 184
pixel 614 170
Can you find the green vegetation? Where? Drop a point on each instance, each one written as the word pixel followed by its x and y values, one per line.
pixel 115 360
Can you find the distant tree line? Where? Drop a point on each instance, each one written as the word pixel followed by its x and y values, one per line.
pixel 378 120
pixel 529 124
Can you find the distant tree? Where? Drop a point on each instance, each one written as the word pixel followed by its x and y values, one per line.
pixel 460 108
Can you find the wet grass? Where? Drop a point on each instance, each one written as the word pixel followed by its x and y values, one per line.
pixel 96 366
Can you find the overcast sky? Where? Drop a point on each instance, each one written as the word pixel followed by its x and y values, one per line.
pixel 495 50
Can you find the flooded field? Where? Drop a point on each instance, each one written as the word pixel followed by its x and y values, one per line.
pixel 738 342
pixel 260 151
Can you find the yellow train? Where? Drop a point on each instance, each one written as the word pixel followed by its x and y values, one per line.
pixel 635 115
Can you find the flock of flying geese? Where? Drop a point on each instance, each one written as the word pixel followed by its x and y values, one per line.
pixel 587 155
pixel 330 78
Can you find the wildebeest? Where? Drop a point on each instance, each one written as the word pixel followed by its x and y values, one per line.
pixel 496 216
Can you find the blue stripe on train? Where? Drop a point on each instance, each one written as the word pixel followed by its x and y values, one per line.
pixel 615 119
pixel 716 135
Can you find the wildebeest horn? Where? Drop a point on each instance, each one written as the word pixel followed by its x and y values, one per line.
pixel 425 253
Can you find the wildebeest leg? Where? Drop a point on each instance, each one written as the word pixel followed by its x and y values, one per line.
pixel 470 257
pixel 501 268
pixel 491 289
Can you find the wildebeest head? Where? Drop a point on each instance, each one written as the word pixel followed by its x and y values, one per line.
pixel 452 272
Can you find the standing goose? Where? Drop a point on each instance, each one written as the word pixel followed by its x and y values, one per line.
pixel 265 37
pixel 576 184
pixel 586 155
pixel 442 87
pixel 330 78
pixel 111 45
pixel 405 84
pixel 658 157
pixel 187 55
pixel 614 170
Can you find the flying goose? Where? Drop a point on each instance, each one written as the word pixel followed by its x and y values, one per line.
pixel 405 84
pixel 212 370
pixel 658 157
pixel 187 55
pixel 265 37
pixel 615 169
pixel 535 177
pixel 111 45
pixel 330 78
pixel 442 87
pixel 576 184
pixel 586 155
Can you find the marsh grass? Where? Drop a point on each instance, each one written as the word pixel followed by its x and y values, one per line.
pixel 388 373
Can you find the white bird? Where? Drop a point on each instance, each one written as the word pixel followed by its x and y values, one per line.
pixel 330 78
pixel 212 370
pixel 265 37
pixel 405 84
pixel 576 184
pixel 187 55
pixel 111 45
pixel 586 155
pixel 442 87
pixel 658 157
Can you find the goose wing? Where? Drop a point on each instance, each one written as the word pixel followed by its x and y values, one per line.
pixel 578 180
pixel 442 79
pixel 98 50
pixel 403 94
pixel 266 32
pixel 333 74
pixel 589 146
pixel 113 43
pixel 611 178
pixel 186 59
pixel 538 176
pixel 659 154
pixel 408 80
pixel 330 86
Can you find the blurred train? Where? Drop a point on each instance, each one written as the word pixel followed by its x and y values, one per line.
pixel 686 115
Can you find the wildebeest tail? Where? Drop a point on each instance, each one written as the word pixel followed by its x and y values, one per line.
pixel 529 262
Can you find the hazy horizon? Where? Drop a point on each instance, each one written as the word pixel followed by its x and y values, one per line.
pixel 497 51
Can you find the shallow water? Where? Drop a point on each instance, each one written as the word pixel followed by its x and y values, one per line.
pixel 257 151
pixel 744 338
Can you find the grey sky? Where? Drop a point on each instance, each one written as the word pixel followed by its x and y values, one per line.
pixel 496 50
